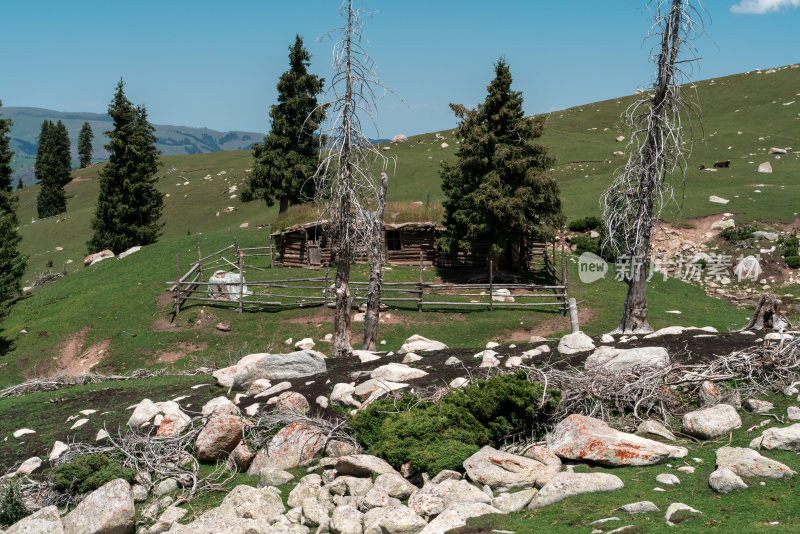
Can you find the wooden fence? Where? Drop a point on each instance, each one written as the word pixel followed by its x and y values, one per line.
pixel 194 286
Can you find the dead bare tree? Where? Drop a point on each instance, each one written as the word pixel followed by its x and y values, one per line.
pixel 346 189
pixel 656 150
pixel 375 255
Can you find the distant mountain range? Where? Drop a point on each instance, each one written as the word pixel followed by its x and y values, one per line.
pixel 172 140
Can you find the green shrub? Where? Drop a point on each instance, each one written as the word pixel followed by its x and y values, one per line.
pixel 586 224
pixel 793 262
pixel 738 233
pixel 789 246
pixel 441 435
pixel 586 244
pixel 87 473
pixel 12 502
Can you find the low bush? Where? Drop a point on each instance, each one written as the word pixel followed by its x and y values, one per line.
pixel 793 262
pixel 441 435
pixel 585 224
pixel 12 502
pixel 738 233
pixel 586 244
pixel 87 473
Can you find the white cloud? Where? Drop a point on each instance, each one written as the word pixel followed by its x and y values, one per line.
pixel 760 7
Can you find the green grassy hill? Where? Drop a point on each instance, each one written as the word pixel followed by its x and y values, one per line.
pixel 121 302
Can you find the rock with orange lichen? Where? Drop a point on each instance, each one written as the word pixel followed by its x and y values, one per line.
pixel 291 401
pixel 219 437
pixel 294 445
pixel 579 437
pixel 499 469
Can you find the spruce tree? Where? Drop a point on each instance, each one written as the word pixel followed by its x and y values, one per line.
pixel 62 153
pixel 85 138
pixel 286 161
pixel 128 206
pixel 12 263
pixel 498 188
pixel 50 170
pixel 20 185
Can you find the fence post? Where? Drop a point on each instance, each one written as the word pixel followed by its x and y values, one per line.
pixel 419 301
pixel 241 282
pixel 235 245
pixel 564 276
pixel 573 316
pixel 177 286
pixel 491 286
pixel 325 287
pixel 270 252
pixel 199 256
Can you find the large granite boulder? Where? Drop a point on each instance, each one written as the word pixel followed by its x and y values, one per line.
pixel 107 510
pixel 713 421
pixel 499 469
pixel 622 360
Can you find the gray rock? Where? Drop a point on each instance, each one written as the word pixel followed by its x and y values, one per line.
pixel 655 428
pixel 294 445
pixel 641 507
pixel 397 372
pixel 724 480
pixel 363 465
pixel 758 406
pixel 452 360
pixel 220 406
pixel 346 520
pixel 500 469
pixel 357 487
pixel 675 508
pixel 401 520
pixel 613 359
pixel 315 514
pixel 417 343
pixel 377 498
pixel 308 486
pixel 139 493
pixel 219 437
pixel 712 421
pixel 275 367
pixel 165 486
pixel 395 486
pixel 709 393
pixel 784 439
pixel 574 343
pixel 270 476
pixel 514 502
pixel 107 510
pixel 372 387
pixel 432 499
pixel 44 521
pixel 144 412
pixel 793 413
pixel 749 463
pixel 585 438
pixel 446 474
pixel 273 390
pixel 667 479
pixel 564 485
pixel 168 518
pixel 456 515
pixel 29 466
pixel 259 504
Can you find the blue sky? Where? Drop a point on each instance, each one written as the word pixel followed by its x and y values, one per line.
pixel 215 64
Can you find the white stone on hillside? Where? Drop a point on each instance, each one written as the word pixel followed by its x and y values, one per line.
pixel 793 413
pixel 417 343
pixel 655 428
pixel 109 509
pixel 29 466
pixel 641 507
pixel 499 469
pixel 723 224
pixel 514 502
pixel 220 406
pixel 564 485
pixel 452 360
pixel 667 479
pixel 397 372
pixel 366 356
pixel 606 338
pixel 676 507
pixel 583 438
pixel 79 423
pixel 59 448
pixel 784 439
pixel 713 421
pixel 724 480
pixel 765 167
pixel 759 406
pixel 749 463
pixel 258 386
pixel 132 250
pixel 492 345
pixel 23 432
pixel 667 331
pixel 574 343
pixel 613 359
pixel 305 344
pixel 277 388
pixel 718 200
pixel 411 358
pixel 44 521
pixel 101 435
pixel 144 412
pixel 456 515
pixel 458 382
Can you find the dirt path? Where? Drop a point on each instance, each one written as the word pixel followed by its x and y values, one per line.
pixel 73 360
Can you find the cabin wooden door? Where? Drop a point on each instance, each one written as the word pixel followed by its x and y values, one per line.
pixel 314 255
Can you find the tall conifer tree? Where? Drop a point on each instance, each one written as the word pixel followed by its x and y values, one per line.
pixel 85 138
pixel 498 188
pixel 52 169
pixel 285 162
pixel 12 263
pixel 128 206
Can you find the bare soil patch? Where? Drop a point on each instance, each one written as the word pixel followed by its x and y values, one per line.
pixel 184 348
pixel 548 327
pixel 73 360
